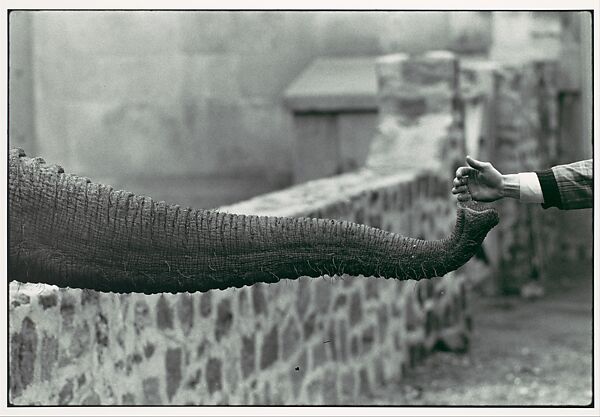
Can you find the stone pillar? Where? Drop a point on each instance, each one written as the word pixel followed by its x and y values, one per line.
pixel 526 130
pixel 421 119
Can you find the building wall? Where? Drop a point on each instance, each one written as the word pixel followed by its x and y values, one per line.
pixel 118 95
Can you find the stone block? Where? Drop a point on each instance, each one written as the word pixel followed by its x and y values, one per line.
pixel 224 319
pixel 389 75
pixel 364 387
pixel 258 299
pixel 372 288
pixel 330 389
pixel 173 371
pixel 92 399
pixel 432 68
pixel 379 371
pixel 319 355
pixel 128 399
pixel 332 339
pixel 141 316
pixel 90 297
pixel 412 86
pixel 206 303
pixel 355 346
pixel 413 314
pixel 48 300
pixel 243 303
pixel 266 399
pixel 270 348
pixel 309 325
pixel 342 341
pixel 151 389
pixel 303 297
pixel 248 355
pixel 213 375
pixel 67 309
pixel 416 352
pixel 340 302
pixel 347 384
pixel 193 379
pixel 232 375
pixel 368 338
pixel 291 339
pixel 81 380
pixel 382 322
pixel 322 293
pixel 48 357
pixel 300 369
pixel 314 391
pixel 102 329
pixel 23 355
pixel 19 299
pixel 65 395
pixel 80 343
pixel 185 312
pixel 355 307
pixel 164 313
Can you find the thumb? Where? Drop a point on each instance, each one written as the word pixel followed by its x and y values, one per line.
pixel 474 163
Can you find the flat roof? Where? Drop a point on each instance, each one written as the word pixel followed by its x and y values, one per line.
pixel 334 84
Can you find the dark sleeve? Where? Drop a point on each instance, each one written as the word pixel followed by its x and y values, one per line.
pixel 568 187
pixel 549 189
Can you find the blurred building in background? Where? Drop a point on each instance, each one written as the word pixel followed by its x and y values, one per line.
pixel 159 101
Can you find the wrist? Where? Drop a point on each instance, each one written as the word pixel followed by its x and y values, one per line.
pixel 511 186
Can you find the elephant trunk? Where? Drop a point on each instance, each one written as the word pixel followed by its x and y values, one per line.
pixel 67 231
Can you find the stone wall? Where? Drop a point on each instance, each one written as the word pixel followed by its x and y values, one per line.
pixel 324 340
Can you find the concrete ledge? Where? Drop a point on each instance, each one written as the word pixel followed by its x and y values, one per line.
pixel 315 195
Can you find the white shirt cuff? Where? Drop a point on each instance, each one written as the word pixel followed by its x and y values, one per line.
pixel 530 190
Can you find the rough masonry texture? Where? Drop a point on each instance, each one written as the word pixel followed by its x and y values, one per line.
pixel 521 111
pixel 310 341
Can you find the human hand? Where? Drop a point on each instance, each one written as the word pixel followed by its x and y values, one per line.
pixel 479 181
